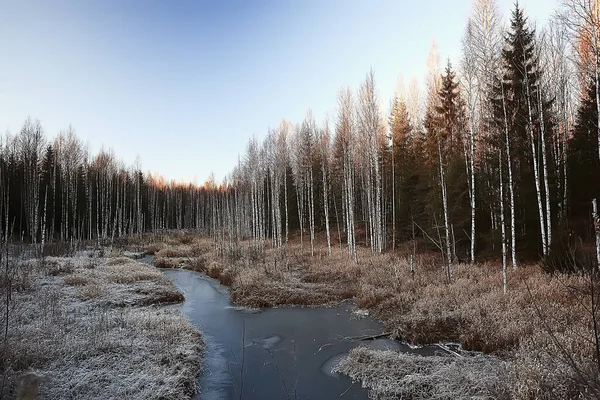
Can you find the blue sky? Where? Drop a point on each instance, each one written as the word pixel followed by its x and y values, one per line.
pixel 185 84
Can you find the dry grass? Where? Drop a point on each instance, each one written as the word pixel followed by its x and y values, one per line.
pixel 424 308
pixel 120 282
pixel 172 252
pixel 90 325
pixel 392 375
pixel 154 248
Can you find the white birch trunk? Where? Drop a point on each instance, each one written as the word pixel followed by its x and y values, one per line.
pixel 324 162
pixel 393 198
pixel 545 171
pixel 511 185
pixel 536 172
pixel 445 205
pixel 472 187
pixel 502 224
pixel 596 229
pixel 311 211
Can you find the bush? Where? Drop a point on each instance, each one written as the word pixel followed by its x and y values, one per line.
pixel 154 248
pixel 56 268
pixel 161 262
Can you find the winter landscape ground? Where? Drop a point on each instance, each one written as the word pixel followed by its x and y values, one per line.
pixel 91 325
pixel 91 322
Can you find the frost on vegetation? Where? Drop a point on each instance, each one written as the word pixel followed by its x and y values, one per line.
pixel 392 375
pixel 359 314
pixel 91 327
pixel 542 371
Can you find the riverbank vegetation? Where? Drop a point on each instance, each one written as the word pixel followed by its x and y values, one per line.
pixel 392 375
pixel 89 326
pixel 543 328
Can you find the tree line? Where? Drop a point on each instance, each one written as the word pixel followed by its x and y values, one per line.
pixel 55 190
pixel 498 156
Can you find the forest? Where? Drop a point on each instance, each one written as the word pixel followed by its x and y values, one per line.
pixel 498 157
pixel 483 181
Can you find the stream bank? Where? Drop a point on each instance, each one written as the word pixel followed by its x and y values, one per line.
pixel 276 353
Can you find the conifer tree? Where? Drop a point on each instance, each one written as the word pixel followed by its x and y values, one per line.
pixel 447 127
pixel 584 167
pixel 402 166
pixel 518 105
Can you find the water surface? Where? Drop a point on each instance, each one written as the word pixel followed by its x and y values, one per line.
pixel 276 353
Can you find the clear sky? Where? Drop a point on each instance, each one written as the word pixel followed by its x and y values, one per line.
pixel 185 84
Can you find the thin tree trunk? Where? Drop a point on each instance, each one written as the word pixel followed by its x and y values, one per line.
pixel 311 211
pixel 511 185
pixel 502 224
pixel 393 199
pixel 326 200
pixel 445 204
pixel 414 254
pixel 597 78
pixel 44 216
pixel 378 220
pixel 337 220
pixel 536 171
pixel 565 170
pixel 596 229
pixel 472 162
pixel 287 219
pixel 300 201
pixel 545 171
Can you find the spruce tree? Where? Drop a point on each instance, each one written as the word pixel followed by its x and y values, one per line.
pixel 451 125
pixel 518 91
pixel 404 164
pixel 583 165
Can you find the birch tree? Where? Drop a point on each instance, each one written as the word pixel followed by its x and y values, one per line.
pixel 324 145
pixel 369 123
pixel 345 142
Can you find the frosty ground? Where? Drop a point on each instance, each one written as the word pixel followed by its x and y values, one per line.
pixel 93 325
pixel 538 338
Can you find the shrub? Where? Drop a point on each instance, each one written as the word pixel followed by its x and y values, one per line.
pixel 161 262
pixel 154 248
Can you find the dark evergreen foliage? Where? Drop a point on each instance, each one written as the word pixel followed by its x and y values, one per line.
pixel 583 163
pixel 518 89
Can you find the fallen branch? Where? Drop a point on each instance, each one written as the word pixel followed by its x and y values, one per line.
pixel 368 337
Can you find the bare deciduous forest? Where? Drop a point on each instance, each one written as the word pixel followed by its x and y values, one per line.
pixel 466 214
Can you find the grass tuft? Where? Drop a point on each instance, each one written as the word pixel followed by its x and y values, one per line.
pixel 393 375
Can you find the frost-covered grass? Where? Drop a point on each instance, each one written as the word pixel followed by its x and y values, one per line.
pixel 392 375
pixel 91 327
pixel 262 279
pixel 530 327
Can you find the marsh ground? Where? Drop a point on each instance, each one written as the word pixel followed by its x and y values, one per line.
pixel 542 328
pixel 92 325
